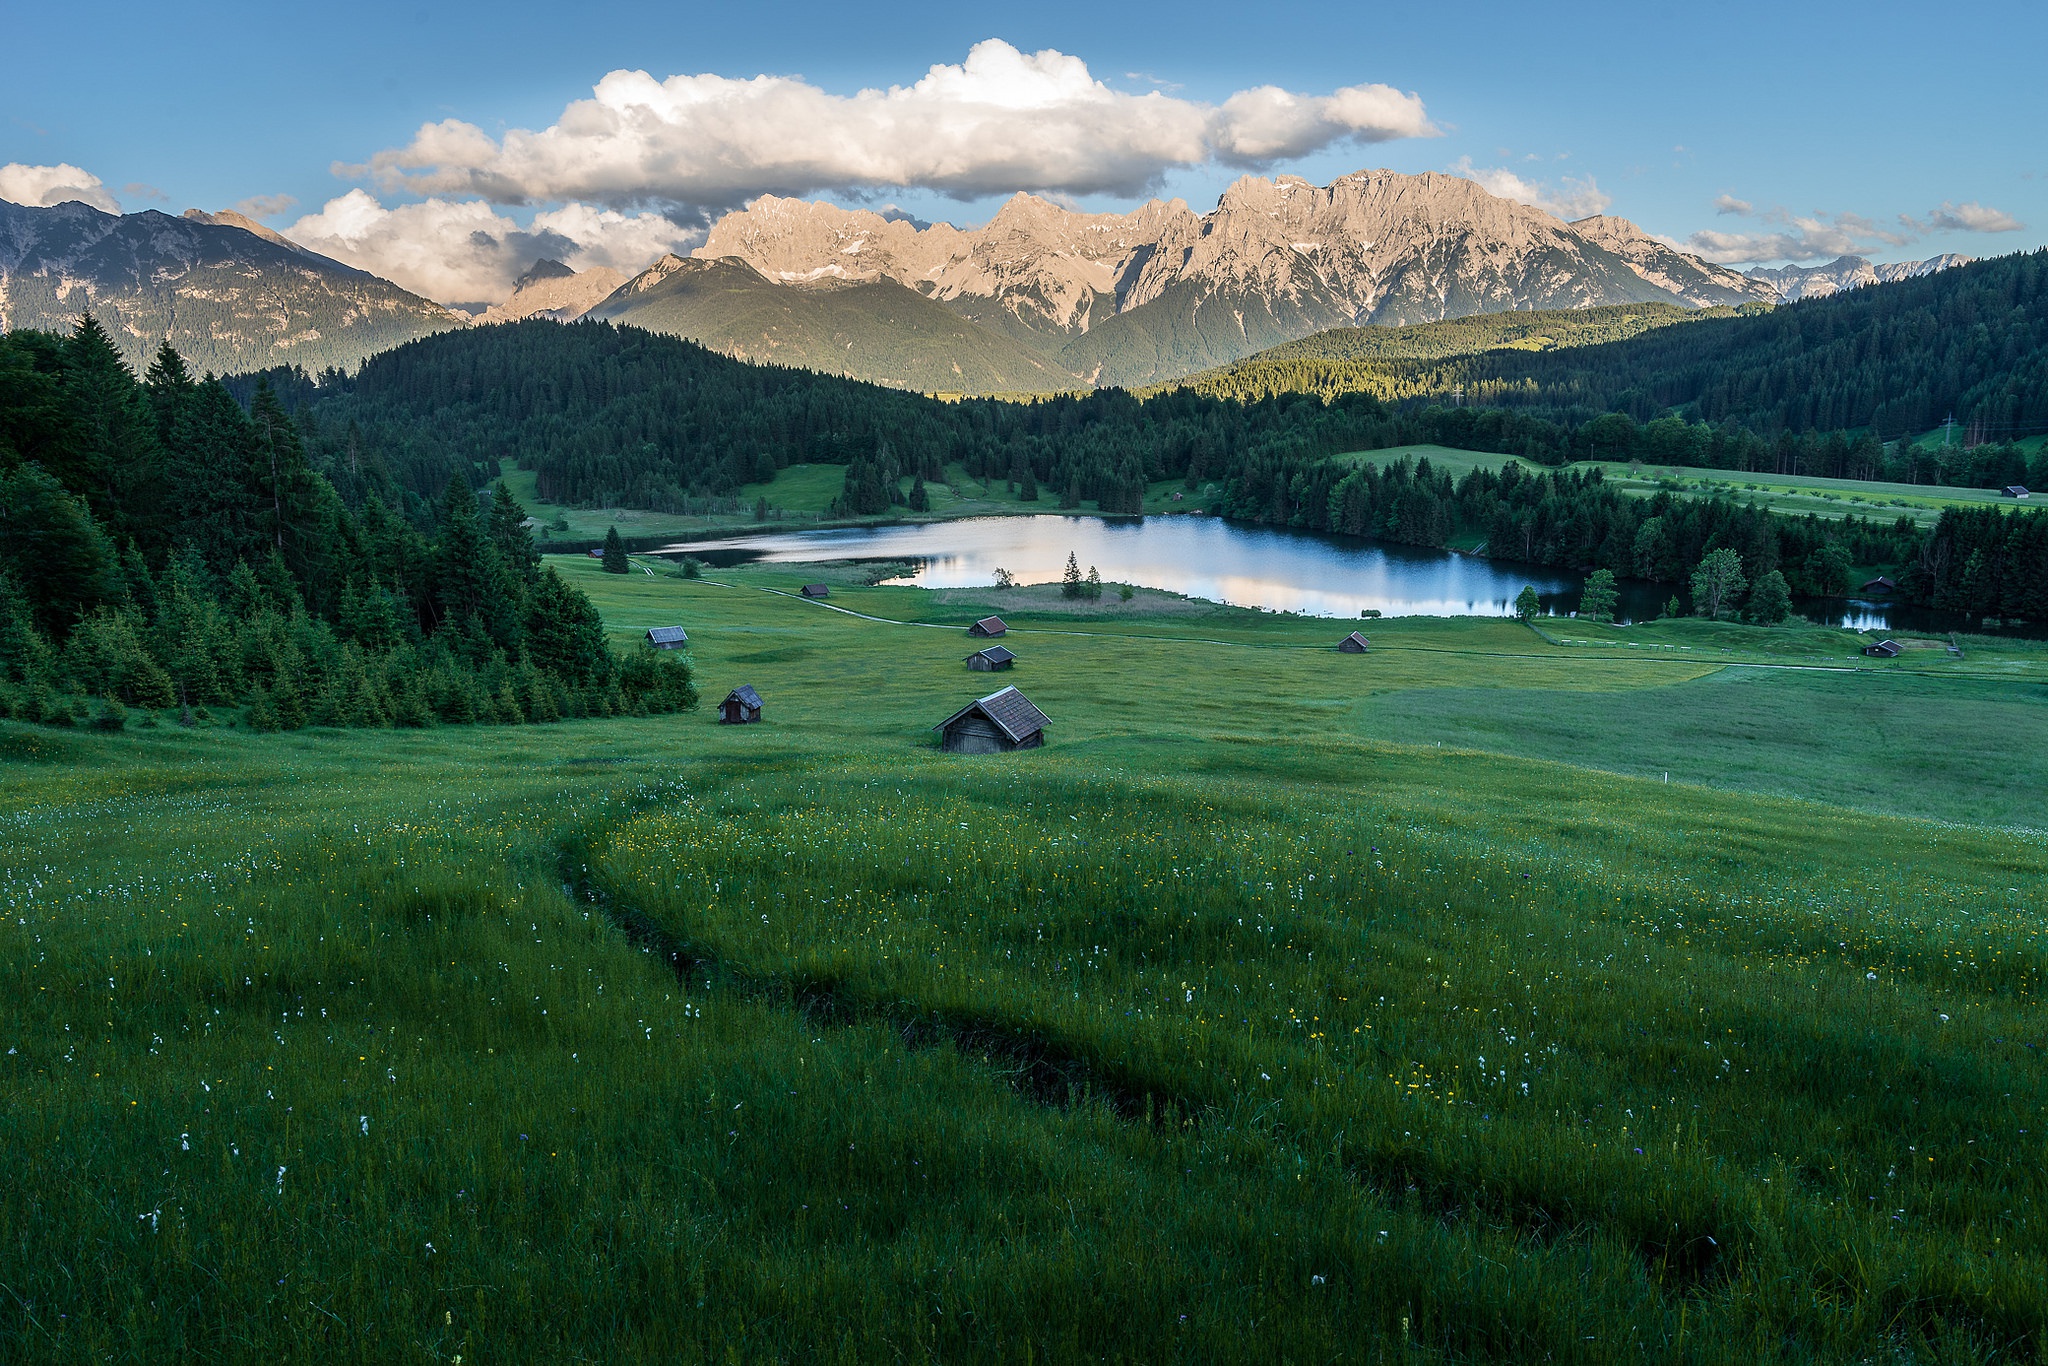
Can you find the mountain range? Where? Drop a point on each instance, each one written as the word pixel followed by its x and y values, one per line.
pixel 1847 272
pixel 1162 291
pixel 228 292
pixel 1040 298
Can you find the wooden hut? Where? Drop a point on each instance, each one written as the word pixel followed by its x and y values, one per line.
pixel 1884 649
pixel 2016 491
pixel 995 724
pixel 988 626
pixel 742 706
pixel 668 637
pixel 817 590
pixel 1354 644
pixel 1880 584
pixel 993 658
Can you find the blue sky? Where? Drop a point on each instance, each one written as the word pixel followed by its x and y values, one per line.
pixel 1900 133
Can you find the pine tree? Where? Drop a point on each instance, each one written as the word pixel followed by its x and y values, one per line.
pixel 615 561
pixel 113 461
pixel 508 533
pixel 1070 580
pixel 1093 589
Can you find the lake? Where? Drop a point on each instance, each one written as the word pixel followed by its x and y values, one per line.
pixel 1240 563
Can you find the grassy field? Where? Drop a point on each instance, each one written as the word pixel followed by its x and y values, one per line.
pixel 1286 1006
pixel 1797 495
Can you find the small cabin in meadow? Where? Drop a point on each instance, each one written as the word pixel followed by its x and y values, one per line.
pixel 668 638
pixel 988 626
pixel 995 724
pixel 993 658
pixel 1884 649
pixel 1354 644
pixel 2015 491
pixel 816 590
pixel 1880 584
pixel 742 706
pixel 597 554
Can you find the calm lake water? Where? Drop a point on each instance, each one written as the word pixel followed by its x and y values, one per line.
pixel 1207 557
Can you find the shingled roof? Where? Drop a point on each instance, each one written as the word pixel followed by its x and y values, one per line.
pixel 1011 711
pixel 995 654
pixel 745 695
pixel 668 635
pixel 987 626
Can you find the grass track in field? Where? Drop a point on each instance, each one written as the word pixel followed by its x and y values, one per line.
pixel 221 953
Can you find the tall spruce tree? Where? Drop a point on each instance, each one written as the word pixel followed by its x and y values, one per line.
pixel 615 561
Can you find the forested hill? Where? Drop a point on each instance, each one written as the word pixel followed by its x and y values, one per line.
pixel 1897 358
pixel 609 414
pixel 161 548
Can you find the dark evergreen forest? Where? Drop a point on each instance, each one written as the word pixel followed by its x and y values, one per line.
pixel 1839 387
pixel 163 547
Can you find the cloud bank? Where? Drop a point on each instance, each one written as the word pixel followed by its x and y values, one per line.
pixel 41 187
pixel 1810 237
pixel 1000 121
pixel 1576 197
pixel 468 253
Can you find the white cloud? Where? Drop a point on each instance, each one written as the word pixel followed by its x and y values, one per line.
pixel 1971 217
pixel 1574 197
pixel 40 187
pixel 1821 235
pixel 266 205
pixel 1002 120
pixel 468 253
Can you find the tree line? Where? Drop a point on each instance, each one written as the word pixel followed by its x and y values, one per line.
pixel 1891 361
pixel 162 547
pixel 610 414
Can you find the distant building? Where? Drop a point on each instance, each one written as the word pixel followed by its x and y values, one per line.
pixel 668 637
pixel 993 658
pixel 2015 491
pixel 1884 649
pixel 995 724
pixel 741 706
pixel 1880 584
pixel 597 554
pixel 1354 644
pixel 988 626
pixel 817 590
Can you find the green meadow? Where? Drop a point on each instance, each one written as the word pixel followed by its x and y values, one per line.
pixel 1668 993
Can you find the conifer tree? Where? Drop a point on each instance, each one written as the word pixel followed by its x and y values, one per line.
pixel 1070 580
pixel 615 561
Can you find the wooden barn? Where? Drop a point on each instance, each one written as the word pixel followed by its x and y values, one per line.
pixel 2016 491
pixel 1884 649
pixel 668 637
pixel 1354 644
pixel 988 626
pixel 993 658
pixel 995 724
pixel 817 590
pixel 1880 584
pixel 742 706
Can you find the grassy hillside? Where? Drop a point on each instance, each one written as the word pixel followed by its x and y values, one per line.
pixel 1393 1021
pixel 880 332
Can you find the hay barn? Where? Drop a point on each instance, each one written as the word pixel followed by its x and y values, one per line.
pixel 742 706
pixel 995 724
